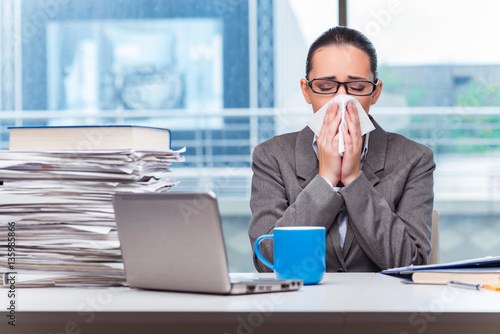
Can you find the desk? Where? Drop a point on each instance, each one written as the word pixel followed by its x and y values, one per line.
pixel 341 303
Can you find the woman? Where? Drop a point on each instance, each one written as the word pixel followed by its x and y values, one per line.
pixel 376 200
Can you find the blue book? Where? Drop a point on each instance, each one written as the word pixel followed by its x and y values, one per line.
pixel 479 263
pixel 83 138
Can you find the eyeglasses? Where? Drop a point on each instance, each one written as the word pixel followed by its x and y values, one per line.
pixel 328 87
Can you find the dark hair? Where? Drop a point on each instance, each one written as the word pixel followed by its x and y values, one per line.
pixel 343 36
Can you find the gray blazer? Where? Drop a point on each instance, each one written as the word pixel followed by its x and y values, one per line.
pixel 389 204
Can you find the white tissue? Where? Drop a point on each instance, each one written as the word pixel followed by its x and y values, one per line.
pixel 316 121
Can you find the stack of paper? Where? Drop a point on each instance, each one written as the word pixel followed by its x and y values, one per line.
pixel 56 217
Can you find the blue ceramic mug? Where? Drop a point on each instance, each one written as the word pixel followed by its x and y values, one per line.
pixel 299 253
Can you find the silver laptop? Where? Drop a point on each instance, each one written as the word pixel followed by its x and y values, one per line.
pixel 173 241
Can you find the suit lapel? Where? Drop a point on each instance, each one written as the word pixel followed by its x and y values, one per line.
pixel 335 238
pixel 375 161
pixel 307 167
pixel 306 161
pixel 377 150
pixel 349 237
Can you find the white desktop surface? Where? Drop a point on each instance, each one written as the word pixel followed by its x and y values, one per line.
pixel 348 301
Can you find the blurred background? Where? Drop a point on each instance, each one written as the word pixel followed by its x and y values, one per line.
pixel 224 75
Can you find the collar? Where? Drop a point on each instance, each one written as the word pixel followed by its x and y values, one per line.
pixel 306 161
pixel 363 155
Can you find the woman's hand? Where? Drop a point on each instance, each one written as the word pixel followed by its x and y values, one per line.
pixel 328 143
pixel 353 141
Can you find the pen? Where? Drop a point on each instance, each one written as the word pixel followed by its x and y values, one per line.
pixel 465 285
pixel 494 287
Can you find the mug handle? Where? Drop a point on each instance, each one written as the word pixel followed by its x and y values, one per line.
pixel 257 250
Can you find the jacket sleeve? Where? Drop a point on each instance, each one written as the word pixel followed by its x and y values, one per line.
pixel 273 178
pixel 399 233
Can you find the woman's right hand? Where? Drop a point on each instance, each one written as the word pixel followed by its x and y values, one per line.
pixel 328 143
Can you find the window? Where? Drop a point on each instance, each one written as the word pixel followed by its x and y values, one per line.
pixel 224 76
pixel 441 87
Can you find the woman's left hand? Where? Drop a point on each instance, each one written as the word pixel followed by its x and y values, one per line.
pixel 353 141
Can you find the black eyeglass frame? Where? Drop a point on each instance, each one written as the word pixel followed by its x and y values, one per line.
pixel 374 84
